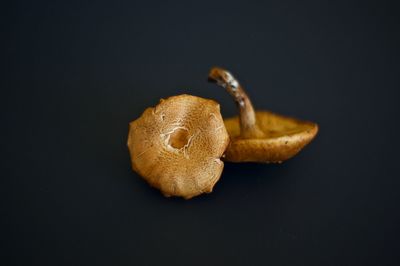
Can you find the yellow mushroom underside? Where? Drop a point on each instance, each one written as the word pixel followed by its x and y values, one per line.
pixel 284 138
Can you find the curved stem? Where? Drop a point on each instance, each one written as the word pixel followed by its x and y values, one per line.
pixel 248 123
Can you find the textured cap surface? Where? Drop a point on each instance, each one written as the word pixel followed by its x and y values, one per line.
pixel 177 145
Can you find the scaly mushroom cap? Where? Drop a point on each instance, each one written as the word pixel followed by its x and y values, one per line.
pixel 284 138
pixel 177 145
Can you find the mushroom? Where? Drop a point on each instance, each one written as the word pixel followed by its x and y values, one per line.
pixel 260 136
pixel 177 145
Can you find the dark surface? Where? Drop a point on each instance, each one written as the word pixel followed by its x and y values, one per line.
pixel 75 75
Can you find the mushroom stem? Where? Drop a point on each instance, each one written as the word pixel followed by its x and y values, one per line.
pixel 248 122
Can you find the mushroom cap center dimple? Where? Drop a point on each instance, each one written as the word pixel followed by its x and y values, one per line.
pixel 179 138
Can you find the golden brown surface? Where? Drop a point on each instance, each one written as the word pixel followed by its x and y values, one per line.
pixel 177 145
pixel 284 138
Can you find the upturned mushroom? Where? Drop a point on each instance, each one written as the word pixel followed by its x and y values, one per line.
pixel 177 145
pixel 260 136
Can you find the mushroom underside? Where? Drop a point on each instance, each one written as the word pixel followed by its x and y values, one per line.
pixel 284 138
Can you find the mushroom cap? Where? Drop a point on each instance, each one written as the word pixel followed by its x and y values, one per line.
pixel 177 145
pixel 284 138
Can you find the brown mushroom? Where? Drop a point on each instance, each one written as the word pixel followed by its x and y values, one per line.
pixel 260 136
pixel 177 145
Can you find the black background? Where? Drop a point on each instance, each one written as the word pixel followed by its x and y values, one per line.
pixel 75 74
